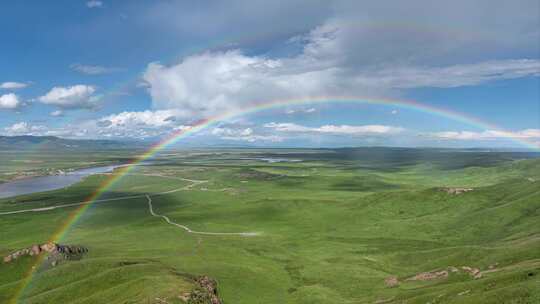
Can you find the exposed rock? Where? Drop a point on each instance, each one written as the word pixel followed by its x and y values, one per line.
pixel 185 296
pixel 474 272
pixel 430 275
pixel 35 250
pixel 210 285
pixel 49 247
pixel 456 191
pixel 391 281
pixel 55 250
pixel 206 293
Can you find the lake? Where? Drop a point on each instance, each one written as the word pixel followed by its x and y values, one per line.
pixel 49 182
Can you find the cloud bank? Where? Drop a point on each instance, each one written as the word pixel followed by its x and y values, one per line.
pixel 527 134
pixel 336 129
pixel 331 63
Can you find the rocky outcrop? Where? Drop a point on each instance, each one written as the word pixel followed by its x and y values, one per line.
pixel 55 250
pixel 391 281
pixel 430 275
pixel 210 285
pixel 456 191
pixel 475 273
pixel 205 293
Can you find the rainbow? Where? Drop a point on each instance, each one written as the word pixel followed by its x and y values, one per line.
pixel 111 180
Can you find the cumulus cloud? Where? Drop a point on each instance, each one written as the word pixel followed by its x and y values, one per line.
pixel 11 85
pixel 93 69
pixel 144 124
pixel 9 101
pixel 207 83
pixel 138 119
pixel 72 97
pixel 213 82
pixel 136 125
pixel 364 130
pixel 94 4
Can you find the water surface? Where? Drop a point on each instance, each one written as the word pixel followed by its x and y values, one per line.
pixel 49 182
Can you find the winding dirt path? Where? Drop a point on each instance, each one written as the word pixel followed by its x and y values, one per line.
pixel 151 209
pixel 184 188
pixel 150 206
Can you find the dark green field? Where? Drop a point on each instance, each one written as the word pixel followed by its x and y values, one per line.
pixel 332 226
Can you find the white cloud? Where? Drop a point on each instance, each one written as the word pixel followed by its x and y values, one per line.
pixel 296 111
pixel 162 118
pixel 232 132
pixel 94 4
pixel 287 127
pixel 23 128
pixel 10 85
pixel 9 101
pixel 93 69
pixel 73 97
pixel 255 138
pixel 211 83
pixel 57 113
pixel 136 125
pixel 486 135
pixel 365 130
pixel 207 83
pixel 244 134
pixel 17 128
pixel 144 124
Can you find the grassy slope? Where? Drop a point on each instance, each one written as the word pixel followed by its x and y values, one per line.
pixel 331 233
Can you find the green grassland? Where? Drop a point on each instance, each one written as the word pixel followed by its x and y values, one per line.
pixel 331 228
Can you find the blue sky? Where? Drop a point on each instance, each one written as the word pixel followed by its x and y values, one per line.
pixel 141 70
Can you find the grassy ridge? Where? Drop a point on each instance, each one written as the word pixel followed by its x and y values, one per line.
pixel 332 230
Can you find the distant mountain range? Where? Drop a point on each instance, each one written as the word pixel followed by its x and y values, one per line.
pixel 28 142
